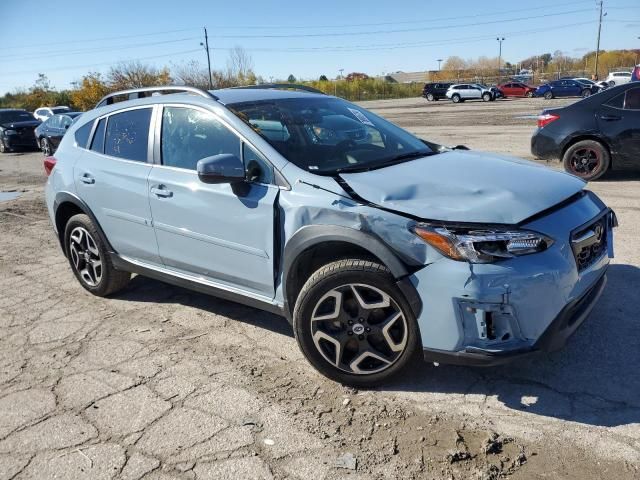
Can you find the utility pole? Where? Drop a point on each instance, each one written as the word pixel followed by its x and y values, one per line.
pixel 598 43
pixel 206 47
pixel 500 40
pixel 439 62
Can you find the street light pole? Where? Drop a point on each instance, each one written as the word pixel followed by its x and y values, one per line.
pixel 500 40
pixel 439 62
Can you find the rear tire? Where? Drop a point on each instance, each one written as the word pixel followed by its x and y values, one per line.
pixel 456 98
pixel 89 258
pixel 548 95
pixel 430 97
pixel 587 159
pixel 586 93
pixel 3 149
pixel 354 325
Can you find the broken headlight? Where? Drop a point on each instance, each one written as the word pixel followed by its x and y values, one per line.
pixel 482 246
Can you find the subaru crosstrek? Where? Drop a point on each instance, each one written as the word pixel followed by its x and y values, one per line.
pixel 375 245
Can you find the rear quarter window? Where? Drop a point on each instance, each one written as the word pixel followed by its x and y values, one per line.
pixel 82 135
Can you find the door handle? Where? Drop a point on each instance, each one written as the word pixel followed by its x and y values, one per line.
pixel 610 118
pixel 161 191
pixel 88 179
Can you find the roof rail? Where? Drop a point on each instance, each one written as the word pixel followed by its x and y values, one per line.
pixel 283 86
pixel 148 91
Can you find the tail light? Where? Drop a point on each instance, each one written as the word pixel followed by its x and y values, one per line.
pixel 49 163
pixel 546 118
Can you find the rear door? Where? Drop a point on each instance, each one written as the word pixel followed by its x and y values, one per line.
pixel 619 122
pixel 508 90
pixel 111 178
pixel 223 233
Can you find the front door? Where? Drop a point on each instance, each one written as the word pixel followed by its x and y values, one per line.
pixel 619 122
pixel 111 178
pixel 221 232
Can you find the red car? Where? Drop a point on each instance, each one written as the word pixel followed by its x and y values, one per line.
pixel 517 89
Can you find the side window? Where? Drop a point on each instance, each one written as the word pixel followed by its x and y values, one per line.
pixel 257 168
pixel 127 135
pixel 97 145
pixel 82 134
pixel 65 121
pixel 632 100
pixel 189 135
pixel 53 122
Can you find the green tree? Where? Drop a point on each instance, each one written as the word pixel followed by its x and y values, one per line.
pixel 323 78
pixel 291 79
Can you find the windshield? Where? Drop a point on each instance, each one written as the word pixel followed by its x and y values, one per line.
pixel 60 110
pixel 328 135
pixel 15 116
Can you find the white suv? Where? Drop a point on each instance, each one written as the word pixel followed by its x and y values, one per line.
pixel 43 113
pixel 618 78
pixel 468 91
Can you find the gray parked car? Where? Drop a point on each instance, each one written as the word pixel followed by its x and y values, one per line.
pixel 377 246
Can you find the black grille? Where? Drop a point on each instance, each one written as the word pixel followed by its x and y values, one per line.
pixel 590 243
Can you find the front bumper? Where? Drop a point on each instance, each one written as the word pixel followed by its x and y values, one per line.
pixel 485 314
pixel 554 337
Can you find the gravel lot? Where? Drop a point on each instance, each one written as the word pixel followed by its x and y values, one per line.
pixel 161 383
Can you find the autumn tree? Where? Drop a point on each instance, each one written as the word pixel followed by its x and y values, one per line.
pixel 89 91
pixel 135 74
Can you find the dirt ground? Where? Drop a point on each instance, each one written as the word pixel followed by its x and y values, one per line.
pixel 162 383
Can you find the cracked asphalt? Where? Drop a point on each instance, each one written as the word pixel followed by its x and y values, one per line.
pixel 162 383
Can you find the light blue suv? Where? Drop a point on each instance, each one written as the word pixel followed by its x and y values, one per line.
pixel 376 245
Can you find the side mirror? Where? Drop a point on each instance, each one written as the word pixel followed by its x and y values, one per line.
pixel 460 147
pixel 66 127
pixel 223 168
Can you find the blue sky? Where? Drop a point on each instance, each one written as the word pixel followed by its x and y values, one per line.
pixel 303 38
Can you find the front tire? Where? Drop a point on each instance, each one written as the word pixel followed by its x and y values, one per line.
pixel 89 258
pixel 456 98
pixel 587 159
pixel 430 97
pixel 486 97
pixel 548 95
pixel 586 93
pixel 354 325
pixel 611 83
pixel 529 94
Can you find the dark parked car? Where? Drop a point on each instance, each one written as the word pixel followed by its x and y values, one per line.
pixel 51 131
pixel 16 129
pixel 565 88
pixel 516 89
pixel 435 91
pixel 593 135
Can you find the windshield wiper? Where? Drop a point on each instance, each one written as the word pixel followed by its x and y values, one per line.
pixel 386 163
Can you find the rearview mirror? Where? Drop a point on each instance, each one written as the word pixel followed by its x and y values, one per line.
pixel 223 168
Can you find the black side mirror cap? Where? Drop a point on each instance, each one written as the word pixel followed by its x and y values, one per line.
pixel 223 168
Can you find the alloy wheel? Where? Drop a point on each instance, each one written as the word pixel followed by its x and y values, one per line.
pixel 585 161
pixel 359 329
pixel 85 256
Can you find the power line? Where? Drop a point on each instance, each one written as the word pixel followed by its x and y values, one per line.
pixel 114 62
pixel 399 22
pixel 58 53
pixel 405 30
pixel 119 37
pixel 393 46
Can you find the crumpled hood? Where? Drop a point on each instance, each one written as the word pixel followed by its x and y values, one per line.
pixel 466 186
